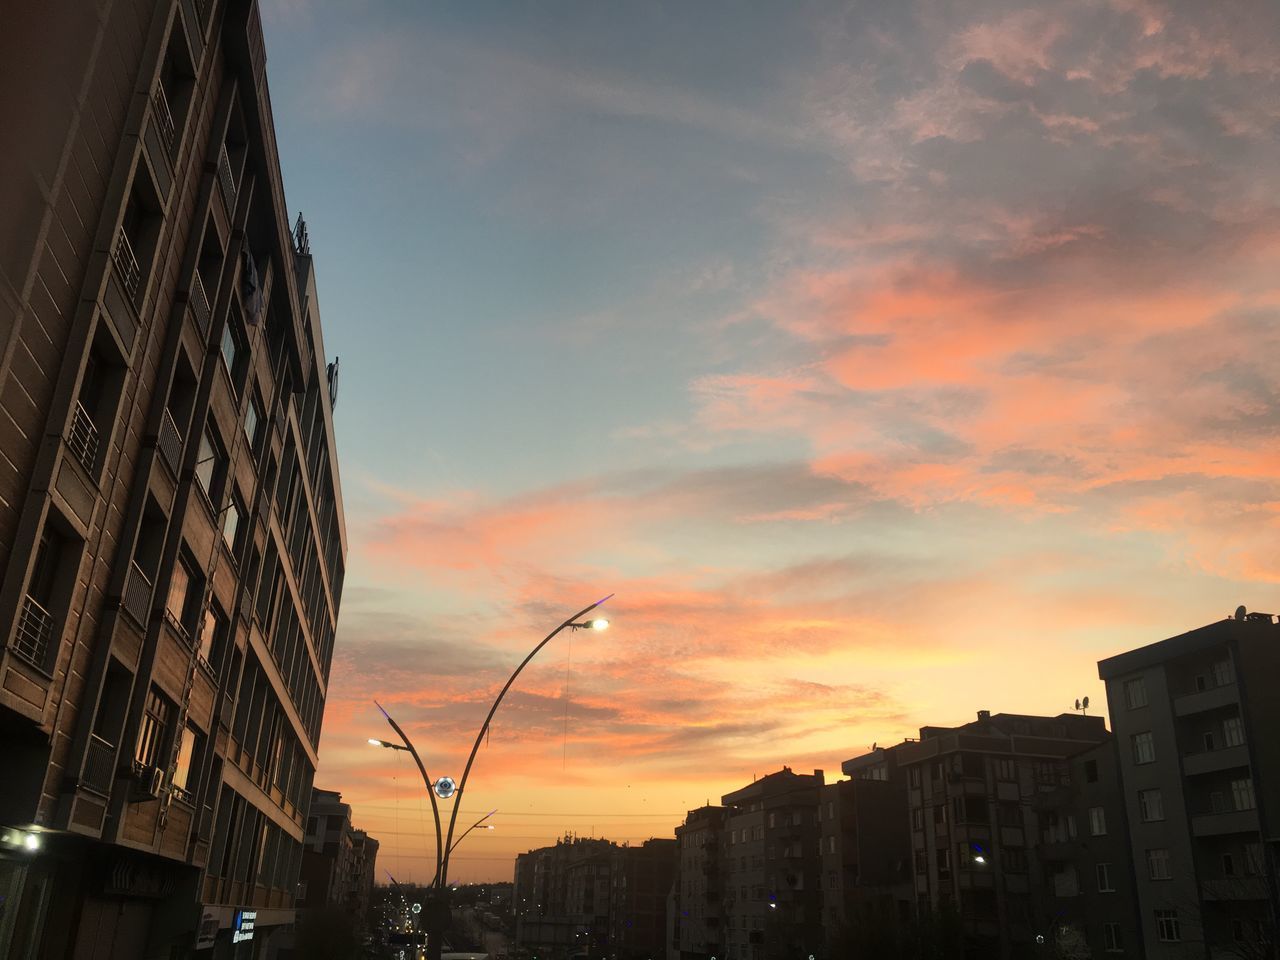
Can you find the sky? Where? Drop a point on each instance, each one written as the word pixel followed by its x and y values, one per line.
pixel 887 361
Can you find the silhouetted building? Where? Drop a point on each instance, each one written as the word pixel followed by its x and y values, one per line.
pixel 865 852
pixel 772 891
pixel 171 527
pixel 338 861
pixel 1196 719
pixel 562 895
pixel 981 836
pixel 639 882
pixel 697 926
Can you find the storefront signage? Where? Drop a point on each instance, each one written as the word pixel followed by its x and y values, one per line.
pixel 208 932
pixel 242 928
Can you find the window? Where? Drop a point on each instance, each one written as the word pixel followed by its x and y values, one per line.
pixel 1150 805
pixel 831 844
pixel 922 864
pixel 1091 771
pixel 1158 864
pixel 182 606
pixel 1144 748
pixel 1217 802
pixel 211 463
pixel 943 859
pixel 1167 928
pixel 913 777
pixel 1242 794
pixel 252 421
pixel 231 521
pixel 1223 673
pixel 831 810
pixel 212 633
pixel 1014 860
pixel 917 819
pixel 1006 769
pixel 1135 693
pixel 1103 871
pixel 1228 865
pixel 1206 739
pixel 1112 942
pixel 940 814
pixel 1232 732
pixel 186 754
pixel 1097 822
pixel 233 350
pixel 151 734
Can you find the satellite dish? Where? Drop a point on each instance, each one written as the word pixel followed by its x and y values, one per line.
pixel 1077 703
pixel 1241 612
pixel 1085 703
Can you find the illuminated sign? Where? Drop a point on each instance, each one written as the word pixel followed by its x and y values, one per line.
pixel 242 928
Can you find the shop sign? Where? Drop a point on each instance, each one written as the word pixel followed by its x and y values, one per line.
pixel 242 928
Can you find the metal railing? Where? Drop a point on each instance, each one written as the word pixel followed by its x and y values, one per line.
pixel 164 118
pixel 200 303
pixel 137 594
pixel 99 765
pixel 226 178
pixel 170 442
pixel 82 438
pixel 127 265
pixel 34 634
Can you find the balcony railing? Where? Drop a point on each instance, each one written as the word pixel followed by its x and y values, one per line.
pixel 170 442
pixel 226 178
pixel 34 634
pixel 99 766
pixel 127 265
pixel 137 594
pixel 163 117
pixel 200 303
pixel 82 439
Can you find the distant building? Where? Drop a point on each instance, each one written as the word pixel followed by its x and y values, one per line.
pixel 639 881
pixel 980 833
pixel 864 846
pixel 772 893
pixel 697 926
pixel 562 895
pixel 1197 723
pixel 171 528
pixel 338 861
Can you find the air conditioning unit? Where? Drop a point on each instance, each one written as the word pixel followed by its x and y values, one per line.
pixel 149 784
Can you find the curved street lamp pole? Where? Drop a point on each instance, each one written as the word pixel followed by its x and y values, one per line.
pixel 437 916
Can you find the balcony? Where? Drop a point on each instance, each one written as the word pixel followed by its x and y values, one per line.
pixel 1215 698
pixel 34 634
pixel 137 595
pixel 163 117
pixel 1234 888
pixel 227 179
pixel 1221 824
pixel 127 268
pixel 170 442
pixel 1211 761
pixel 199 300
pixel 82 438
pixel 99 766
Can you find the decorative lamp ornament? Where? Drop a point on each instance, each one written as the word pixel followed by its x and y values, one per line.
pixel 444 788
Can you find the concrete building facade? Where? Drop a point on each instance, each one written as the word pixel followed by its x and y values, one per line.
pixel 697 926
pixel 171 526
pixel 1196 719
pixel 978 829
pixel 639 881
pixel 338 861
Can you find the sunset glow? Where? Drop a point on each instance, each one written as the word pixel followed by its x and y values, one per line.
pixel 885 362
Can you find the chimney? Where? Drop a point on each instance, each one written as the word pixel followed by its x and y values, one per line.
pixel 984 714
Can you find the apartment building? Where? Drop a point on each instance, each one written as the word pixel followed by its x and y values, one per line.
pixel 1196 717
pixel 864 849
pixel 976 822
pixel 639 881
pixel 772 890
pixel 338 861
pixel 562 895
pixel 171 520
pixel 697 929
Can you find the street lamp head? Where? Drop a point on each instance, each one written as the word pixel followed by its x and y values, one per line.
pixel 444 788
pixel 599 623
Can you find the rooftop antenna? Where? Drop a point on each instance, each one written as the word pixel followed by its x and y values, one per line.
pixel 1241 612
pixel 1083 706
